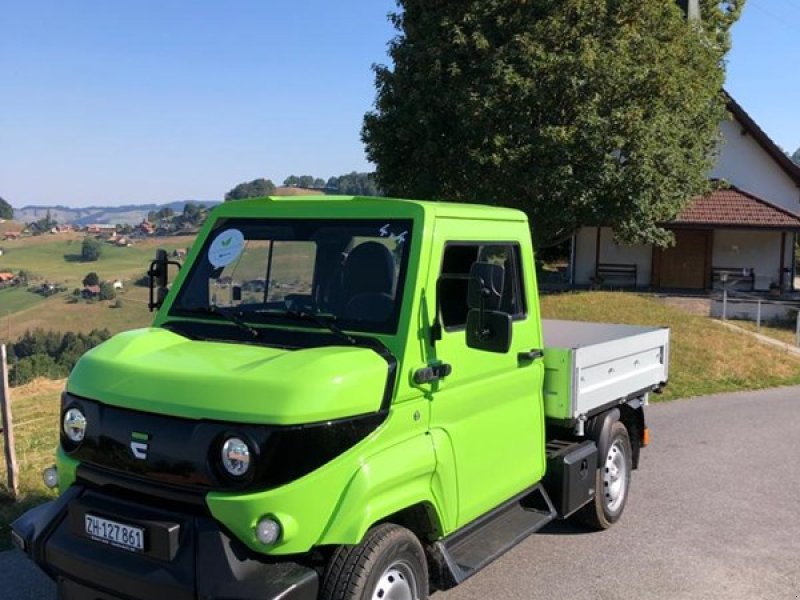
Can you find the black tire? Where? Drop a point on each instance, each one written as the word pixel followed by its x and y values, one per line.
pixel 389 561
pixel 611 485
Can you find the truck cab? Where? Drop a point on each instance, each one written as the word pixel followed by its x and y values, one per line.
pixel 339 397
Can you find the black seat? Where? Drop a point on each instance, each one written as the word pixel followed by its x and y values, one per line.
pixel 368 283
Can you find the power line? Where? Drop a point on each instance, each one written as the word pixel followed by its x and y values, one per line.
pixel 774 17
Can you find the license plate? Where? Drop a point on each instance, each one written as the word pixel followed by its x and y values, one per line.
pixel 115 534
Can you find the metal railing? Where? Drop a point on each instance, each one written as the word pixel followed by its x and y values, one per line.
pixel 760 301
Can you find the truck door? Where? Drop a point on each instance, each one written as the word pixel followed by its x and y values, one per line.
pixel 490 405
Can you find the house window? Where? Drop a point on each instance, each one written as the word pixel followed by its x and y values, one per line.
pixel 454 280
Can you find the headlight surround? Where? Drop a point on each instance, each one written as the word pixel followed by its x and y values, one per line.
pixel 74 425
pixel 236 457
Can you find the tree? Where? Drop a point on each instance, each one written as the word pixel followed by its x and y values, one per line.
pixel 257 188
pixel 91 249
pixel 796 157
pixel 578 112
pixel 107 291
pixel 91 279
pixel 6 211
pixel 303 181
pixel 355 184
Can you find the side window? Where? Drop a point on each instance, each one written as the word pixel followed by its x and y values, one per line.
pixel 454 280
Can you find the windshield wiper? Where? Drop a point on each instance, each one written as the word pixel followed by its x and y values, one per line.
pixel 225 314
pixel 326 320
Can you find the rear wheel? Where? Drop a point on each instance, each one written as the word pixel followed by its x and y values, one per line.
pixel 389 564
pixel 613 481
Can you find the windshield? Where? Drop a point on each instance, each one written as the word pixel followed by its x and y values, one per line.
pixel 350 272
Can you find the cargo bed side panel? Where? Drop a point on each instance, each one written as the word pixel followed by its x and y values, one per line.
pixel 605 363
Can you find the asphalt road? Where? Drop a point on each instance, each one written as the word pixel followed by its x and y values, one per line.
pixel 713 513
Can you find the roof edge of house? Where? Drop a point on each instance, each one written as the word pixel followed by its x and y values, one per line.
pixel 761 137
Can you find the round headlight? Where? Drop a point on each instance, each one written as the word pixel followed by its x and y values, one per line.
pixel 236 457
pixel 74 425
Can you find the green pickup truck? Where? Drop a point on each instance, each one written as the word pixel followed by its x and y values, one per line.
pixel 339 398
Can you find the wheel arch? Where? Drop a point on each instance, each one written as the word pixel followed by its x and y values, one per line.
pixel 393 486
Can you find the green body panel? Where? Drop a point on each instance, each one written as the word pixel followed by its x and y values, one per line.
pixel 558 383
pixel 490 407
pixel 335 504
pixel 460 446
pixel 154 370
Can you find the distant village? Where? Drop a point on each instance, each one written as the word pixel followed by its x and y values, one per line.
pixel 162 223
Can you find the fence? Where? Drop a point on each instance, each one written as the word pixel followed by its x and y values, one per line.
pixel 7 426
pixel 760 303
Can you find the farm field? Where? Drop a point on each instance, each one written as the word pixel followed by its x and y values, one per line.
pixel 55 259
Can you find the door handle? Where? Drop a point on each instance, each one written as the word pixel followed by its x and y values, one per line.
pixel 433 373
pixel 530 355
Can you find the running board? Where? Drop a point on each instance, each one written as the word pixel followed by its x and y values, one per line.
pixel 465 552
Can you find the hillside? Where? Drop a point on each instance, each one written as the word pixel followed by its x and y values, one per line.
pixel 129 214
pixel 55 259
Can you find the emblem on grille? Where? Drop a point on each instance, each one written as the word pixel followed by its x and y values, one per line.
pixel 140 442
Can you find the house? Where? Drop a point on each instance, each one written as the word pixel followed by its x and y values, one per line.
pixel 12 235
pixel 101 228
pixel 146 228
pixel 117 284
pixel 90 291
pixel 8 279
pixel 179 253
pixel 743 233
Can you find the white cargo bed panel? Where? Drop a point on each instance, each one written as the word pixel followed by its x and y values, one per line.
pixel 590 365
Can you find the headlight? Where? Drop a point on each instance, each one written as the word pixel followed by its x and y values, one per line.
pixel 74 425
pixel 236 457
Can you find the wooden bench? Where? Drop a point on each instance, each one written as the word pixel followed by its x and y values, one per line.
pixel 614 271
pixel 735 275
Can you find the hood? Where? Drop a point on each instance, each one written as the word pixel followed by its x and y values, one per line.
pixel 155 370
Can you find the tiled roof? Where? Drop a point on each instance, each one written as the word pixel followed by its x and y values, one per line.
pixel 733 207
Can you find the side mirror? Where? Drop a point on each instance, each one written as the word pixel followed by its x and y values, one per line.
pixel 159 279
pixel 489 330
pixel 487 327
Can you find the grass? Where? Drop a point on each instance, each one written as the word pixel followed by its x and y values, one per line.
pixel 704 359
pixel 14 299
pixel 781 331
pixel 35 409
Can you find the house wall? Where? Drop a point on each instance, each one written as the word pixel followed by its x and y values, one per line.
pixel 745 164
pixel 610 252
pixel 758 250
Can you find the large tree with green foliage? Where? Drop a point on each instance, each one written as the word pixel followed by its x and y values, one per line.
pixel 251 189
pixel 575 111
pixel 6 211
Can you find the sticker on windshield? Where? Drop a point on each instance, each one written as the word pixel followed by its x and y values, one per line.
pixel 226 248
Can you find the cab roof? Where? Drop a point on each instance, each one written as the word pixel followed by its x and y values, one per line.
pixel 350 205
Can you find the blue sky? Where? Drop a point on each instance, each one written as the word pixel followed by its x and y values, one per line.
pixel 160 100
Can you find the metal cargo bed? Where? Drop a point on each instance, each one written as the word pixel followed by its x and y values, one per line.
pixel 592 365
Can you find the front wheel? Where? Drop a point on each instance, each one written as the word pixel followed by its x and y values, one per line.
pixel 389 564
pixel 613 481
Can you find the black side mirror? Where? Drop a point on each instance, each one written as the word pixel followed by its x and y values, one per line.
pixel 159 278
pixel 487 328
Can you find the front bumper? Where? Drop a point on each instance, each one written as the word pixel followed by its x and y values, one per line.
pixel 186 556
